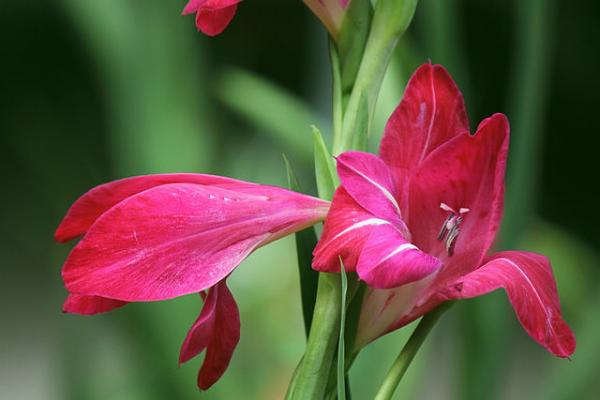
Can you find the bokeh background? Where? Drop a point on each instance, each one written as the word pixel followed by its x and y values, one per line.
pixel 93 90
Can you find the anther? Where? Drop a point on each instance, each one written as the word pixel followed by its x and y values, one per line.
pixel 451 227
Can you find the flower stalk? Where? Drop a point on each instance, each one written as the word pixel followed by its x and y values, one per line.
pixel 408 352
pixel 358 71
pixel 312 375
pixel 390 20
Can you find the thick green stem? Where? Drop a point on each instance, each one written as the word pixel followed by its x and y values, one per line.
pixel 312 374
pixel 398 369
pixel 337 95
pixel 390 20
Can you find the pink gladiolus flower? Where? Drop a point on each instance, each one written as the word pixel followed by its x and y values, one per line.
pixel 330 12
pixel 417 221
pixel 157 237
pixel 212 16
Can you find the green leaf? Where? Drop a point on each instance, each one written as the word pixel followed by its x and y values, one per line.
pixel 276 112
pixel 341 364
pixel 337 106
pixel 352 40
pixel 327 179
pixel 306 240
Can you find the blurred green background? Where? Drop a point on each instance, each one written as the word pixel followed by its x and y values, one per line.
pixel 93 90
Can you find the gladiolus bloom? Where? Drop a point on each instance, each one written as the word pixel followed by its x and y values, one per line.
pixel 212 16
pixel 416 222
pixel 157 237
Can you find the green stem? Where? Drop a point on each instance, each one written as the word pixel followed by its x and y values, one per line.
pixel 398 369
pixel 390 20
pixel 337 97
pixel 312 374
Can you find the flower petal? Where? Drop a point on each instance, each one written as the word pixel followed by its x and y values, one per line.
pixel 531 288
pixel 346 229
pixel 181 238
pixel 192 6
pixel 215 15
pixel 432 111
pixel 84 212
pixel 388 260
pixel 217 330
pixel 368 181
pixel 90 305
pixel 467 172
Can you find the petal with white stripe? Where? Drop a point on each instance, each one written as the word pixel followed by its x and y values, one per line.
pixel 347 226
pixel 388 260
pixel 369 182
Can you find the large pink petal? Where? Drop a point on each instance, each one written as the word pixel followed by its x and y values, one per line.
pixel 467 172
pixel 369 182
pixel 346 229
pixel 84 212
pixel 431 112
pixel 217 330
pixel 388 260
pixel 531 288
pixel 181 238
pixel 89 305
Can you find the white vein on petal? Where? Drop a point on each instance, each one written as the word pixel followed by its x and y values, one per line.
pixel 385 192
pixel 403 247
pixel 361 224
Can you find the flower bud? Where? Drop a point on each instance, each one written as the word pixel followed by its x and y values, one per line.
pixel 330 12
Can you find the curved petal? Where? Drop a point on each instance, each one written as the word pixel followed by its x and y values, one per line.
pixel 369 182
pixel 192 6
pixel 181 238
pixel 385 310
pixel 388 260
pixel 346 229
pixel 528 280
pixel 432 111
pixel 467 172
pixel 213 20
pixel 90 305
pixel 84 212
pixel 217 330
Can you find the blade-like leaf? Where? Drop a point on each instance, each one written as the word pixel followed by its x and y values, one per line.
pixel 353 38
pixel 341 364
pixel 306 240
pixel 327 179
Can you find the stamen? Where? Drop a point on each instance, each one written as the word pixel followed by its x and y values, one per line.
pixel 451 227
pixel 446 207
pixel 444 229
pixel 451 240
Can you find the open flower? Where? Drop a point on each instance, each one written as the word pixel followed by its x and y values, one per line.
pixel 212 16
pixel 416 222
pixel 157 237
